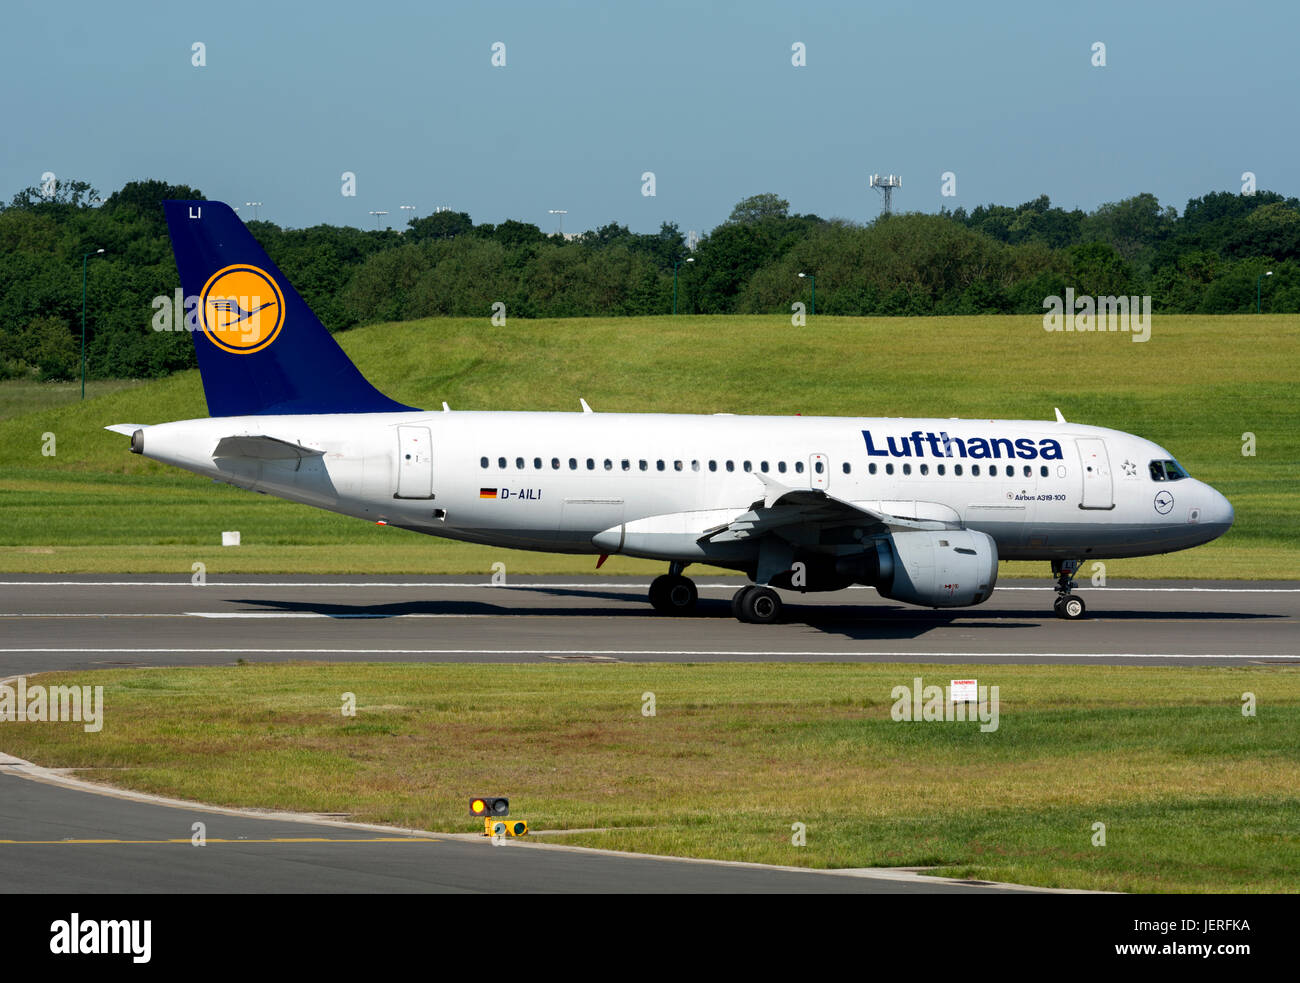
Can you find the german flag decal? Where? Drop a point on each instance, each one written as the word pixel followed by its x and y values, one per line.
pixel 487 493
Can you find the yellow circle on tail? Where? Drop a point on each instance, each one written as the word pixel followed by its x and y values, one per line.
pixel 241 308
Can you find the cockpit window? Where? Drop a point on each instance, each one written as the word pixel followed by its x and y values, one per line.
pixel 1166 471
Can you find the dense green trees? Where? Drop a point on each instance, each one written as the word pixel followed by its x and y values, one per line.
pixel 994 259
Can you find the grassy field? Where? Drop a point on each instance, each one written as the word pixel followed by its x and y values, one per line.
pixel 1195 797
pixel 1195 387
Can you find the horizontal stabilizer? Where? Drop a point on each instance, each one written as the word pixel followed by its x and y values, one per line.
pixel 126 429
pixel 263 448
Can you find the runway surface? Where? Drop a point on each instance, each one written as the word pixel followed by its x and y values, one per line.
pixel 52 840
pixel 88 622
pixel 47 831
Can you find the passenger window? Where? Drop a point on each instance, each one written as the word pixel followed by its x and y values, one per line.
pixel 1042 472
pixel 519 463
pixel 939 468
pixel 713 465
pixel 627 465
pixel 609 465
pixel 748 467
pixel 731 465
pixel 644 465
pixel 975 470
pixel 848 468
pixel 555 464
pixel 695 465
pixel 591 464
pixel 871 468
pixel 482 462
pixel 1028 471
pixel 798 467
pixel 925 469
pixel 501 462
pixel 889 468
pixel 819 467
pixel 537 463
pixel 956 469
pixel 907 469
pixel 677 465
pixel 573 464
pixel 780 466
pixel 1011 472
pixel 762 466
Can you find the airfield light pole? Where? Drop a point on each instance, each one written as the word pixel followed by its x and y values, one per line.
pixel 256 207
pixel 376 215
pixel 812 308
pixel 1259 280
pixel 408 208
pixel 560 212
pixel 689 259
pixel 84 258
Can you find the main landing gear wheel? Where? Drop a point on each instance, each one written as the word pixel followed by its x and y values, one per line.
pixel 673 594
pixel 1069 607
pixel 757 605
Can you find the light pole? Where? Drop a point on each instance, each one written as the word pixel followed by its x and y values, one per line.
pixel 256 206
pixel 689 259
pixel 376 215
pixel 812 308
pixel 84 258
pixel 1259 280
pixel 408 208
pixel 560 212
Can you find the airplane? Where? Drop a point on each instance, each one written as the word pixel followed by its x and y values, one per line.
pixel 921 510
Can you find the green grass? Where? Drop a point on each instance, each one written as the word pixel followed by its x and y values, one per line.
pixel 1195 796
pixel 1195 387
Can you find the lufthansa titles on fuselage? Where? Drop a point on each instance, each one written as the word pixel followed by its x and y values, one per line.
pixel 929 444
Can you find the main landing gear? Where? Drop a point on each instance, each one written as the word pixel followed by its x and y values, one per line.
pixel 756 605
pixel 1067 606
pixel 673 594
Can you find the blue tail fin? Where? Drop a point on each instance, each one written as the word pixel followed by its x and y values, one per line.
pixel 261 350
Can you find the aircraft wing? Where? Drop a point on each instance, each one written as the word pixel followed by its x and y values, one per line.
pixel 805 510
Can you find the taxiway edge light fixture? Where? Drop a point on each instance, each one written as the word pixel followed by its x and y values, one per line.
pixel 812 308
pixel 84 258
pixel 1258 281
pixel 689 259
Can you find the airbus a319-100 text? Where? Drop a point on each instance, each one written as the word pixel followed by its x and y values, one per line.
pixel 921 510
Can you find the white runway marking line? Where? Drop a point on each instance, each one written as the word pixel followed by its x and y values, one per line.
pixel 973 656
pixel 608 586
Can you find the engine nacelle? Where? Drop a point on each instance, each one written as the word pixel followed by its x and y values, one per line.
pixel 952 568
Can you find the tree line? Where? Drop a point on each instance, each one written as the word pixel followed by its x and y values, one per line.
pixel 994 259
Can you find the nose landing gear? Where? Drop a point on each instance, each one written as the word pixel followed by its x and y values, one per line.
pixel 1067 606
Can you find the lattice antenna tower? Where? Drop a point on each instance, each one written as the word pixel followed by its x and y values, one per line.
pixel 886 185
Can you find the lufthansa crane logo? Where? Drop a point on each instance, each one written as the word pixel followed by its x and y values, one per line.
pixel 1164 502
pixel 242 309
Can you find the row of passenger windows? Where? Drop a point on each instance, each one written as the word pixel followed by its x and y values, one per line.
pixel 991 470
pixel 818 467
pixel 521 464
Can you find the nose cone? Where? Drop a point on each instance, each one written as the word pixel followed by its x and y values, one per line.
pixel 1217 515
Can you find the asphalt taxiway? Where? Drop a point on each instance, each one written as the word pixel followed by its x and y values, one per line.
pixel 96 622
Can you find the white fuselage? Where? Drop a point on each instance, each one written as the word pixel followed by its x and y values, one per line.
pixel 650 484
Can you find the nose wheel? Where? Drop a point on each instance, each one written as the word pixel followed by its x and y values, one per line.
pixel 1067 606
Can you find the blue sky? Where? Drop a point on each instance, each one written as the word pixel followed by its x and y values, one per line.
pixel 593 95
